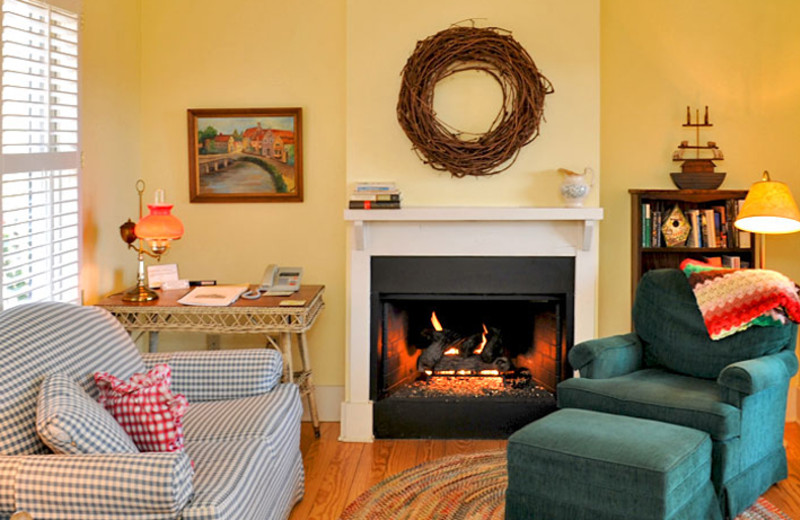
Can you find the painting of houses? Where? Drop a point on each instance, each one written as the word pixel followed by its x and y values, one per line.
pixel 279 144
pixel 245 155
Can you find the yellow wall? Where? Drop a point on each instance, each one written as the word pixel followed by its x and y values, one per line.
pixel 382 35
pixel 659 56
pixel 111 126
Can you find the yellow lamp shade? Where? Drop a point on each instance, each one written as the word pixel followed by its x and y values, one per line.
pixel 769 208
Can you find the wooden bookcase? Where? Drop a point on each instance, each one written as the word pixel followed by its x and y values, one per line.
pixel 644 259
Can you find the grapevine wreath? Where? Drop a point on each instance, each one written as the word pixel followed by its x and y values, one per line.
pixel 459 49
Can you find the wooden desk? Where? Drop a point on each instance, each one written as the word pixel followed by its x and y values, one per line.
pixel 263 316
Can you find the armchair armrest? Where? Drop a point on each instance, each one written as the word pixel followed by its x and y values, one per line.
pixel 754 375
pixel 607 357
pixel 96 487
pixel 216 375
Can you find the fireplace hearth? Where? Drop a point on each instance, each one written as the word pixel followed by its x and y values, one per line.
pixel 467 347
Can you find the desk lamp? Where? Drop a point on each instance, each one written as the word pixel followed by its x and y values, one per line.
pixel 156 230
pixel 768 209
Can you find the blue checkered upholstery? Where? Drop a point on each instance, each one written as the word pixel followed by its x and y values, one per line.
pixel 41 338
pixel 242 427
pixel 221 374
pixel 70 422
pixel 103 487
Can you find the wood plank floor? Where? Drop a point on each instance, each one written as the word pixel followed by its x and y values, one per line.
pixel 337 472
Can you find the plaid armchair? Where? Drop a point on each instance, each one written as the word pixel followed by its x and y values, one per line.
pixel 242 428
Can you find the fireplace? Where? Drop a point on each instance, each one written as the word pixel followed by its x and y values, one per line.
pixel 467 347
pixel 389 314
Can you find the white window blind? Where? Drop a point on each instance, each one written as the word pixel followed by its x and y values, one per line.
pixel 39 140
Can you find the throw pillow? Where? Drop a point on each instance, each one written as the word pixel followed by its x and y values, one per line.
pixel 145 407
pixel 70 422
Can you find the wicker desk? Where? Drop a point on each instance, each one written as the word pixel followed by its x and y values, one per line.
pixel 263 316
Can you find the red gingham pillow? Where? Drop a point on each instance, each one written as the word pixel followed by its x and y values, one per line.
pixel 145 407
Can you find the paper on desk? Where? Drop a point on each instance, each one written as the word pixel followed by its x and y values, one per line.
pixel 213 295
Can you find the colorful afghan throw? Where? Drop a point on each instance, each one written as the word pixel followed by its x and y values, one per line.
pixel 732 300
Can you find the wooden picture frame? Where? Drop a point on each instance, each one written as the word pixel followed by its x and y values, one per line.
pixel 245 155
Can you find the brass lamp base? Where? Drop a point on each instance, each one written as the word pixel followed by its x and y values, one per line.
pixel 140 293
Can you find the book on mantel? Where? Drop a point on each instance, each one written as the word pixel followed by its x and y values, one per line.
pixel 375 195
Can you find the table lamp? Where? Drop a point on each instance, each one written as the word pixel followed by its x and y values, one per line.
pixel 768 209
pixel 156 230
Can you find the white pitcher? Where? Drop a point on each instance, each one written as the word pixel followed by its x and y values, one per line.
pixel 576 186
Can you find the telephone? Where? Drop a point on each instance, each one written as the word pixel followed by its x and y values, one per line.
pixel 277 281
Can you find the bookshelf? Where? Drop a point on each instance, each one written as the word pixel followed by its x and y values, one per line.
pixel 647 257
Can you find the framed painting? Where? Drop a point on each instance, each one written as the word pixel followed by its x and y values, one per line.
pixel 245 155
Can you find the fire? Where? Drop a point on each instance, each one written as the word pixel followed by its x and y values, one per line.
pixel 479 349
pixel 489 372
pixel 435 322
pixel 452 351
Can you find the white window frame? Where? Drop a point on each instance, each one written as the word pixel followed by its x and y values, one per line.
pixel 44 180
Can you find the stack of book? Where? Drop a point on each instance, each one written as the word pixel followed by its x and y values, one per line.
pixel 375 195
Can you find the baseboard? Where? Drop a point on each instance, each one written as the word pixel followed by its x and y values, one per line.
pixel 329 403
pixel 791 404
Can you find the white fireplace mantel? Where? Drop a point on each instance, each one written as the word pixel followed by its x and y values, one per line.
pixel 456 231
pixel 587 216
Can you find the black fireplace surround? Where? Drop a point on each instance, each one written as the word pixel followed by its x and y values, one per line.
pixel 529 301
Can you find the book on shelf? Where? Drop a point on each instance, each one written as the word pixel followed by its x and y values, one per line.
pixel 380 186
pixel 364 195
pixel 374 204
pixel 693 216
pixel 708 228
pixel 731 261
pixel 655 233
pixel 646 225
pixel 744 236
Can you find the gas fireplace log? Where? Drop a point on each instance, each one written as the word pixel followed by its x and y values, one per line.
pixel 493 347
pixel 440 341
pixel 468 346
pixel 502 363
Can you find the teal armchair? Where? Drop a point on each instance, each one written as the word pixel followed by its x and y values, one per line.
pixel 735 389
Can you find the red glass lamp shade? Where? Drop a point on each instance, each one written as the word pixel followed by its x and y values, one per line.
pixel 159 227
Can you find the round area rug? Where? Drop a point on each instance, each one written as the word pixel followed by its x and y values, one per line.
pixel 463 487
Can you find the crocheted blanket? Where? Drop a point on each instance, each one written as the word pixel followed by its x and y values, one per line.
pixel 733 300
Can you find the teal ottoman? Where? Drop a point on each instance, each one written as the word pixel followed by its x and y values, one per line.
pixel 578 464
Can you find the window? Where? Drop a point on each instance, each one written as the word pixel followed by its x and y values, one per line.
pixel 40 160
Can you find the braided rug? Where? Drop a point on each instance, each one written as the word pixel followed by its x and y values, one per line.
pixel 463 487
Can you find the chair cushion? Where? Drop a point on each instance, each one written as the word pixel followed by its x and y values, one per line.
pixel 256 417
pixel 659 395
pixel 667 319
pixel 70 422
pixel 145 407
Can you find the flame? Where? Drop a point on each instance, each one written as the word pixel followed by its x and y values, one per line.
pixel 435 322
pixel 489 372
pixel 479 349
pixel 464 372
pixel 452 351
pixel 447 373
pixel 429 372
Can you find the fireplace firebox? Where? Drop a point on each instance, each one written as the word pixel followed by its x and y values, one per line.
pixel 467 347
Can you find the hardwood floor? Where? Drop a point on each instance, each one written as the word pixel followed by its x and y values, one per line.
pixel 337 472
